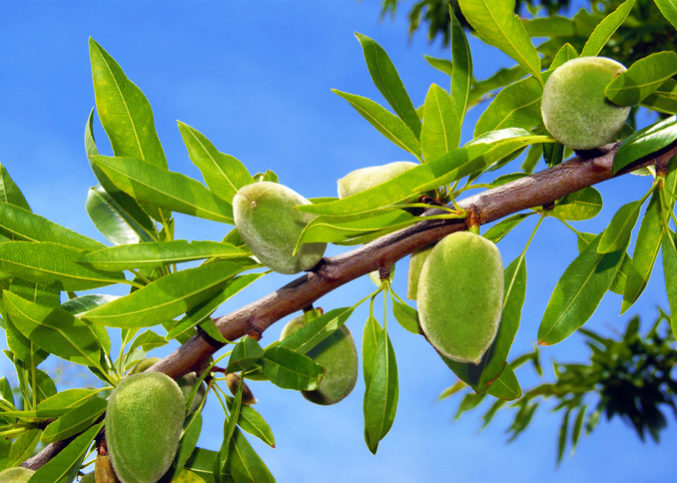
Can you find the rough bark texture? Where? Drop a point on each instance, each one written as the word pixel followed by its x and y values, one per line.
pixel 542 188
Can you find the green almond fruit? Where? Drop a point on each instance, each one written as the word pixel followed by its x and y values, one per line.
pixel 17 474
pixel 144 364
pixel 144 419
pixel 338 356
pixel 574 108
pixel 269 224
pixel 460 296
pixel 416 262
pixel 233 383
pixel 364 178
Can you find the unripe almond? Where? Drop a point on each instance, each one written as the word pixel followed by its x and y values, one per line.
pixel 460 296
pixel 17 474
pixel 144 419
pixel 416 262
pixel 269 224
pixel 574 108
pixel 233 383
pixel 338 356
pixel 365 178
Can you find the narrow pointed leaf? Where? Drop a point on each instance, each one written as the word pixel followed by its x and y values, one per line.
pixel 166 297
pixel 307 337
pixel 441 129
pixel 75 420
pixel 67 462
pixel 202 463
pixel 506 387
pixel 670 272
pixel 461 71
pixel 55 330
pixel 10 192
pixel 49 263
pixel 64 401
pixel 289 369
pixel 642 78
pixel 388 82
pixel 496 23
pixel 669 10
pixel 253 423
pixel 605 29
pixel 645 142
pixel 246 353
pixel 25 225
pixel 579 205
pixel 406 316
pixel 646 249
pixel 112 220
pixel 124 111
pixel 165 189
pixel 576 430
pixel 664 99
pixel 244 464
pixel 562 438
pixel 578 293
pixel 22 448
pixel 371 334
pixel 517 105
pixel 158 254
pixel 380 397
pixel 223 173
pixel 344 230
pixel 391 126
pixel 497 232
pixel 615 235
pixel 188 442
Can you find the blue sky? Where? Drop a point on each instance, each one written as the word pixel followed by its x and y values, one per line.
pixel 255 77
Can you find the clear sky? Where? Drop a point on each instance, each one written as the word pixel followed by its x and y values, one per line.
pixel 255 77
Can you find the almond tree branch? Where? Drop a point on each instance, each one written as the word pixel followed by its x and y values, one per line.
pixel 539 189
pixel 531 191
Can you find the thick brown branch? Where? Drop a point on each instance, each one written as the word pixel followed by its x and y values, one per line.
pixel 531 191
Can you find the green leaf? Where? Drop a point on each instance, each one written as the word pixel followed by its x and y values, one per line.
pixel 314 332
pixel 166 297
pixel 75 420
pixel 506 387
pixel 22 448
pixel 371 334
pixel 578 424
pixel 10 192
pixel 223 173
pixel 441 128
pixel 670 273
pixel 25 225
pixel 289 369
pixel 550 26
pixel 158 254
pixel 67 462
pixel 498 231
pixel 246 353
pixel 579 205
pixel 642 143
pixel 443 65
pixel 473 157
pixel 496 23
pixel 391 126
pixel 55 330
pixel 669 10
pixel 578 293
pixel 605 29
pixel 664 99
pixel 380 397
pixel 461 68
pixel 386 79
pixel 123 206
pixel 469 401
pixel 646 249
pixel 517 105
pixel 564 54
pixel 147 341
pixel 113 221
pixel 615 235
pixel 202 463
pixel 228 430
pixel 562 438
pixel 203 311
pixel 60 403
pixel 165 189
pixel 406 316
pixel 189 439
pixel 253 423
pixel 124 111
pixel 642 78
pixel 243 462
pixel 49 263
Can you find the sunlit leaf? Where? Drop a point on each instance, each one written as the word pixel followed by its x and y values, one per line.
pixel 10 192
pixel 606 28
pixel 615 235
pixel 642 78
pixel 461 72
pixel 669 10
pixel 642 143
pixel 579 205
pixel 75 420
pixel 289 369
pixel 441 128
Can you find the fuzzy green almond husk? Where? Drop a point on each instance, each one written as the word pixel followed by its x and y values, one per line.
pixel 17 474
pixel 267 221
pixel 574 108
pixel 416 262
pixel 144 419
pixel 460 296
pixel 364 178
pixel 338 356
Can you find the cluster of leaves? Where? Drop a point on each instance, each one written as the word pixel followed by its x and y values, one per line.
pixel 132 206
pixel 630 377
